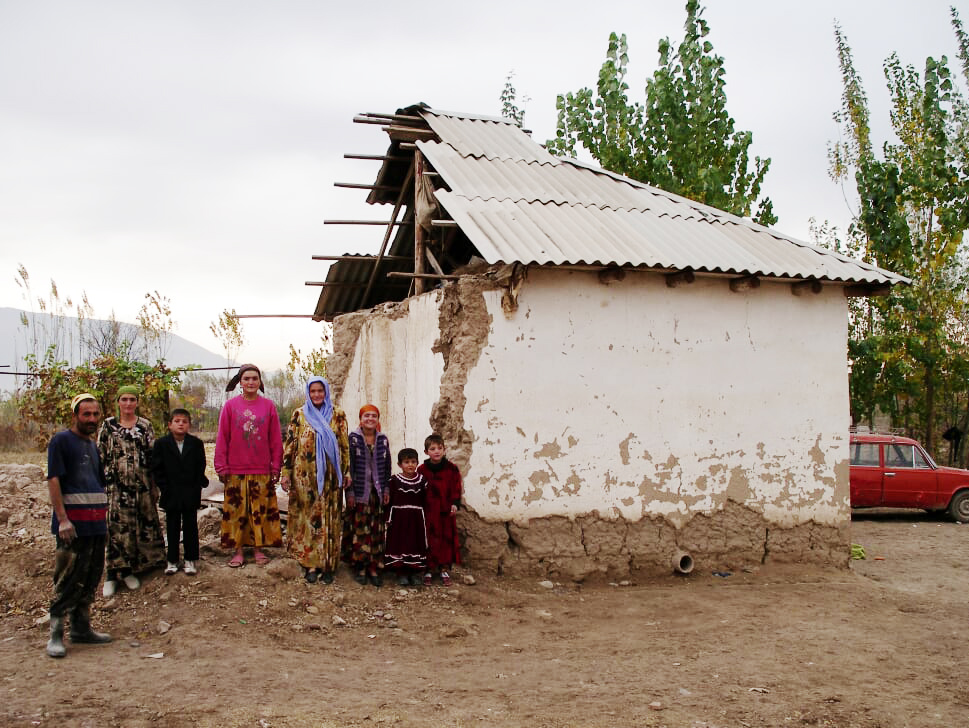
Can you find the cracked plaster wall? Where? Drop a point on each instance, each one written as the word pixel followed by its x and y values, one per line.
pixel 600 427
pixel 391 364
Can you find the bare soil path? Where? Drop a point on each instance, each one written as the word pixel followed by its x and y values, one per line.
pixel 877 644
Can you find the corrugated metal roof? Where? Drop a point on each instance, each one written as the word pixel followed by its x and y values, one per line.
pixel 515 202
pixel 476 136
pixel 560 234
pixel 350 279
pixel 530 207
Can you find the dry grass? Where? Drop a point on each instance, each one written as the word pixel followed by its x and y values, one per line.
pixel 24 457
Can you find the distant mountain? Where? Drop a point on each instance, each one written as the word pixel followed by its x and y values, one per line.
pixel 64 331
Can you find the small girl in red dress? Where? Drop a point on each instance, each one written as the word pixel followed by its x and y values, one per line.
pixel 406 549
pixel 443 500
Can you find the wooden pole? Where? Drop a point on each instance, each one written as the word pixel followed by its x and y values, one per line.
pixel 387 234
pixel 324 284
pixel 433 261
pixel 361 222
pixel 376 157
pixel 401 117
pixel 356 186
pixel 422 276
pixel 418 229
pixel 359 257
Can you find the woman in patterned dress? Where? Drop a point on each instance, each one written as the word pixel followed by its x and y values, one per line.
pixel 248 458
pixel 316 466
pixel 135 542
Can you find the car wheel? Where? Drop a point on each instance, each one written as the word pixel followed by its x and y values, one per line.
pixel 959 506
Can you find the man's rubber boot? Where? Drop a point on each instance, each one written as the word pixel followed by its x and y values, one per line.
pixel 55 646
pixel 81 632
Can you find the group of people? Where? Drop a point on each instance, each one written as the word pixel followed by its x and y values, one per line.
pixel 105 486
pixel 344 500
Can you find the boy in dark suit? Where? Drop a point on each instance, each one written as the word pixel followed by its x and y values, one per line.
pixel 178 464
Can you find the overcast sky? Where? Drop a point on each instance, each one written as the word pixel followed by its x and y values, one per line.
pixel 191 146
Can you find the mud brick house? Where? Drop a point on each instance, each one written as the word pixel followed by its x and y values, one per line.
pixel 620 373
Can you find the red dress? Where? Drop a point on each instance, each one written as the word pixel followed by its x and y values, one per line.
pixel 443 491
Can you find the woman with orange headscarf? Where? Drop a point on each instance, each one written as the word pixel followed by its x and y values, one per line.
pixel 364 527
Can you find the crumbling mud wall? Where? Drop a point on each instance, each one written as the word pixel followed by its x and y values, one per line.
pixel 603 424
pixel 412 359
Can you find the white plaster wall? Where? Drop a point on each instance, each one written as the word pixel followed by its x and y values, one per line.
pixel 635 399
pixel 394 368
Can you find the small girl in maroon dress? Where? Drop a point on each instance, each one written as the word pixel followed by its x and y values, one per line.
pixel 406 549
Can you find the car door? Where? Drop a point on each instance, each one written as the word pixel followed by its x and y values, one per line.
pixel 909 479
pixel 865 474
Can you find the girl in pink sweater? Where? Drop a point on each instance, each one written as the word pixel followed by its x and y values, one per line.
pixel 248 458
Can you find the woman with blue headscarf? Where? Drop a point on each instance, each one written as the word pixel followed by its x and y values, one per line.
pixel 316 465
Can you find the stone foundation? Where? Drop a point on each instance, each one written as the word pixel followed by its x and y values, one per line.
pixel 590 546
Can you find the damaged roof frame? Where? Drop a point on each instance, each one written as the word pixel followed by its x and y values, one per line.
pixel 469 190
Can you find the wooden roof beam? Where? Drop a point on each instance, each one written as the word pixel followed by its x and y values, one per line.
pixel 746 283
pixel 869 289
pixel 409 133
pixel 355 186
pixel 363 222
pixel 378 115
pixel 421 276
pixel 377 157
pixel 802 287
pixel 387 119
pixel 681 276
pixel 360 257
pixel 401 196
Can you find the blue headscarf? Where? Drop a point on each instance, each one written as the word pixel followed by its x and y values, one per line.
pixel 319 418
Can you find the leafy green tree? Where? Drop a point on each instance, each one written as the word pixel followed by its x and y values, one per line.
pixel 109 358
pixel 228 330
pixel 156 325
pixel 913 202
pixel 509 102
pixel 45 402
pixel 682 139
pixel 303 366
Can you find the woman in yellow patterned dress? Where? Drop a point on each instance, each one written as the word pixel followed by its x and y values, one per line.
pixel 316 465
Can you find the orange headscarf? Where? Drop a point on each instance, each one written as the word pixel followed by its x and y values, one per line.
pixel 371 408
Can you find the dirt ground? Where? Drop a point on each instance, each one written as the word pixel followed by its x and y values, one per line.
pixel 876 644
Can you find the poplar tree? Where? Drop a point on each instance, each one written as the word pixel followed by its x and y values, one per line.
pixel 909 347
pixel 682 139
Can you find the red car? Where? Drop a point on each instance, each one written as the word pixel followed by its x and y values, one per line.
pixel 888 471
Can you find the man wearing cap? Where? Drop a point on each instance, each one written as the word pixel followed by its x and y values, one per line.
pixel 78 521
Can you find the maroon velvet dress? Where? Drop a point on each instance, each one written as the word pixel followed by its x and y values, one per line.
pixel 406 548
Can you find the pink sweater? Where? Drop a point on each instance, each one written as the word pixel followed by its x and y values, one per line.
pixel 249 440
